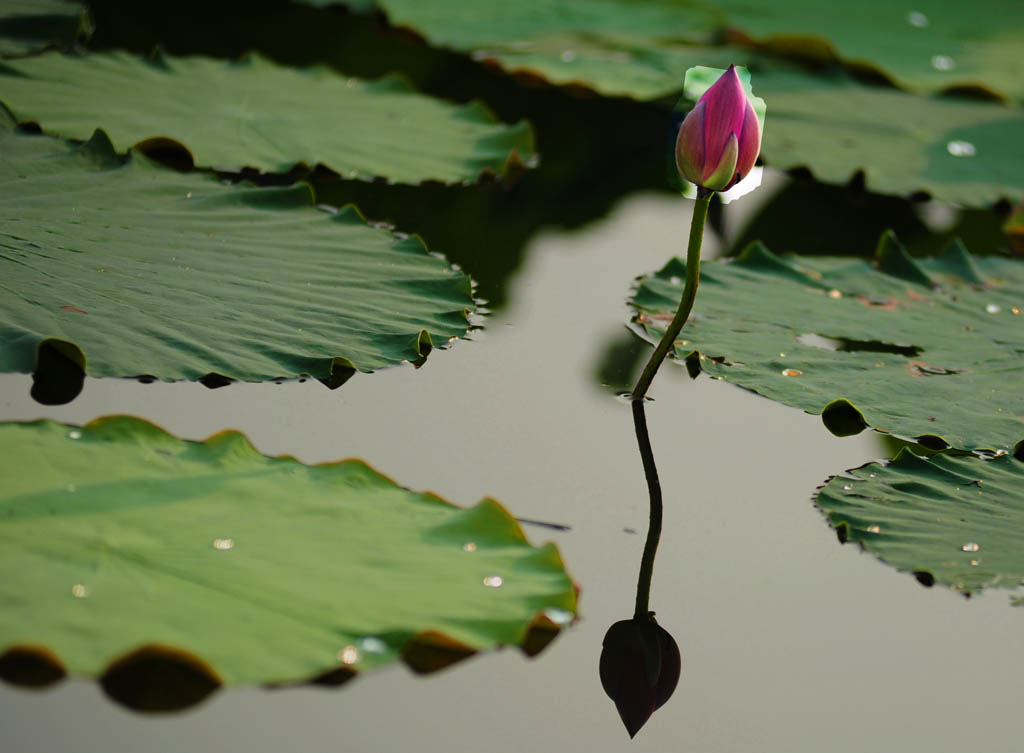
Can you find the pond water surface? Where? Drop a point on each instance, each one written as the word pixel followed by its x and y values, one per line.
pixel 790 641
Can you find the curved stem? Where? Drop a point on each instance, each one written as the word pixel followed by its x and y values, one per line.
pixel 700 213
pixel 643 585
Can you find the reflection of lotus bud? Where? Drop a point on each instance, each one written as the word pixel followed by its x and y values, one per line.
pixel 639 669
pixel 719 140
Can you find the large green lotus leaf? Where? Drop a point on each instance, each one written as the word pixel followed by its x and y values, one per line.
pixel 964 151
pixel 958 150
pixel 936 46
pixel 27 25
pixel 474 24
pixel 254 113
pixel 117 535
pixel 616 47
pixel 610 63
pixel 957 521
pixel 152 272
pixel 918 348
pixel 928 45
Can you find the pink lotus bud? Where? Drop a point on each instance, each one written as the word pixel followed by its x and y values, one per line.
pixel 719 140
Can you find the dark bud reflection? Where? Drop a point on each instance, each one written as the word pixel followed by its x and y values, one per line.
pixel 639 668
pixel 640 661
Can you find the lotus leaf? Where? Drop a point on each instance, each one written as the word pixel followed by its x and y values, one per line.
pixel 132 269
pixel 925 349
pixel 28 25
pixel 259 114
pixel 129 552
pixel 957 150
pixel 957 521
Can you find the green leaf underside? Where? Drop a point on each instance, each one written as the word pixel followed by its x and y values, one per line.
pixel 610 44
pixel 28 25
pixel 958 519
pixel 153 272
pixel 913 359
pixel 833 125
pixel 117 535
pixel 258 114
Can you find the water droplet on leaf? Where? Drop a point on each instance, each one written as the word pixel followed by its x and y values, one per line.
pixel 917 18
pixel 494 581
pixel 961 148
pixel 372 645
pixel 558 616
pixel 348 655
pixel 970 546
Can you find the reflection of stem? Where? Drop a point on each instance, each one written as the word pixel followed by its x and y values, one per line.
pixel 643 585
pixel 700 212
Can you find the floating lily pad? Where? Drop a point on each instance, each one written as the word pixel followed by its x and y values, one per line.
pixel 471 24
pixel 611 64
pixel 619 47
pixel 254 113
pixel 929 45
pixel 28 25
pixel 957 150
pixel 137 557
pixel 957 521
pixel 963 151
pixel 923 349
pixel 132 269
pixel 932 47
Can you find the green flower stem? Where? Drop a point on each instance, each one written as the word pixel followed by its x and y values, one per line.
pixel 643 585
pixel 700 213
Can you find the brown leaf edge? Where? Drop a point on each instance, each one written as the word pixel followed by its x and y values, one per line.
pixel 156 678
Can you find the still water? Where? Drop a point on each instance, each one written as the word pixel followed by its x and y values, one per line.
pixel 790 642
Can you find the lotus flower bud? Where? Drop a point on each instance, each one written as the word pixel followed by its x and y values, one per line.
pixel 720 138
pixel 639 669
